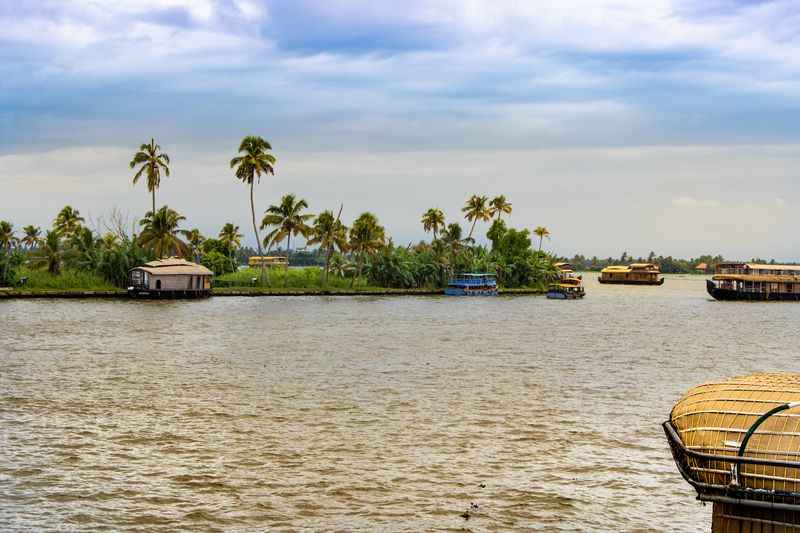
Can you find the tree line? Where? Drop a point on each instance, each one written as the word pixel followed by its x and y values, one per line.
pixel 362 250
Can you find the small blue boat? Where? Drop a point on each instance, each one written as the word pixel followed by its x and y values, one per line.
pixel 472 285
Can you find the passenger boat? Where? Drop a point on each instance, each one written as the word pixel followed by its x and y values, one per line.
pixel 633 274
pixel 753 281
pixel 569 285
pixel 472 285
pixel 170 278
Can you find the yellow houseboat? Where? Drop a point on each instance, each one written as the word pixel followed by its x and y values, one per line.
pixel 256 261
pixel 633 274
pixel 569 285
pixel 754 281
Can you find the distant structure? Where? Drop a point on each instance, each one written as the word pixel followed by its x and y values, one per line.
pixel 256 261
pixel 170 278
pixel 701 268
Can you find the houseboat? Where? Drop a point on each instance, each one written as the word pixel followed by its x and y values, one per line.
pixel 256 261
pixel 569 285
pixel 736 442
pixel 170 278
pixel 754 281
pixel 472 285
pixel 633 274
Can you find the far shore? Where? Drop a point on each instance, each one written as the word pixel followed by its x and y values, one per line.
pixel 250 292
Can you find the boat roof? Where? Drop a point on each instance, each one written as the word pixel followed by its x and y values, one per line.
pixel 474 275
pixel 758 266
pixel 630 268
pixel 174 266
pixel 564 266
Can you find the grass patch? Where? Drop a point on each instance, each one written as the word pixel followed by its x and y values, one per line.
pixel 298 278
pixel 67 280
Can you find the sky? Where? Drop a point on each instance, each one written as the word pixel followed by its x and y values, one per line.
pixel 622 126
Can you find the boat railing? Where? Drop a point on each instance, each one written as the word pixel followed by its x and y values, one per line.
pixel 732 478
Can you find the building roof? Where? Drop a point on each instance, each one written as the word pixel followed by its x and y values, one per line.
pixel 174 266
pixel 701 266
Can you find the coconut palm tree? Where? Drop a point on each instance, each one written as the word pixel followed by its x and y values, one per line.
pixel 194 239
pixel 153 161
pixel 476 209
pixel 51 252
pixel 433 220
pixel 7 238
pixel 288 219
pixel 498 206
pixel 254 161
pixel 68 221
pixel 33 235
pixel 329 233
pixel 160 233
pixel 541 232
pixel 366 238
pixel 109 240
pixel 229 236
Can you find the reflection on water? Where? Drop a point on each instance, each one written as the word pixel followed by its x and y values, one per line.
pixel 247 414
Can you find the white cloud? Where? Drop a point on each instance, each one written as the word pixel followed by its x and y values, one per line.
pixel 690 201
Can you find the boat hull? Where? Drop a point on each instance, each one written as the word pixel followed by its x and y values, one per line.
pixel 740 296
pixel 454 291
pixel 629 282
pixel 558 295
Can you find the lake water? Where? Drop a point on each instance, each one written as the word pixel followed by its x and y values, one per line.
pixel 365 414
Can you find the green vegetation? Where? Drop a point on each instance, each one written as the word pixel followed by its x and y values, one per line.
pixel 362 256
pixel 66 280
pixel 668 265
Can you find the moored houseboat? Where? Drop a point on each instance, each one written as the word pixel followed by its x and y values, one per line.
pixel 633 274
pixel 473 284
pixel 569 285
pixel 170 278
pixel 754 281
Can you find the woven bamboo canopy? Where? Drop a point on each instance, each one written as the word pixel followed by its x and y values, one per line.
pixel 715 418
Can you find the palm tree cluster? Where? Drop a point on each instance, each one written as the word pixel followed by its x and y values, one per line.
pixel 362 249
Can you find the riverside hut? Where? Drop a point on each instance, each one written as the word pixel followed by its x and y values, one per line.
pixel 737 442
pixel 170 278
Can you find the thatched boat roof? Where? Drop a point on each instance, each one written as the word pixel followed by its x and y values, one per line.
pixel 714 418
pixel 174 266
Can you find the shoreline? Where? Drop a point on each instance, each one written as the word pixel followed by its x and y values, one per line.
pixel 247 292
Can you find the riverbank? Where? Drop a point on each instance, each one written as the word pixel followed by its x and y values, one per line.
pixel 252 292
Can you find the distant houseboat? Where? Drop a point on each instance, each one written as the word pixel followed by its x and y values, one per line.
pixel 472 285
pixel 256 261
pixel 569 285
pixel 633 274
pixel 753 281
pixel 170 278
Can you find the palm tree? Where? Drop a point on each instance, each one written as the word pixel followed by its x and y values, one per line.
pixel 109 240
pixel 51 252
pixel 160 233
pixel 68 221
pixel 33 235
pixel 498 206
pixel 229 236
pixel 287 219
pixel 7 238
pixel 476 209
pixel 366 237
pixel 254 161
pixel 194 238
pixel 329 233
pixel 541 232
pixel 433 220
pixel 153 161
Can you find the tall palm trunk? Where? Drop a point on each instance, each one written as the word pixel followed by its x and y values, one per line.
pixel 286 266
pixel 327 264
pixel 541 238
pixel 154 200
pixel 255 229
pixel 474 221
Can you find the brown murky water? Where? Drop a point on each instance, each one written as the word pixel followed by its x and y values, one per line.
pixel 364 414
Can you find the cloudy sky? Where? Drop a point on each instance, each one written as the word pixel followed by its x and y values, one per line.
pixel 625 125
